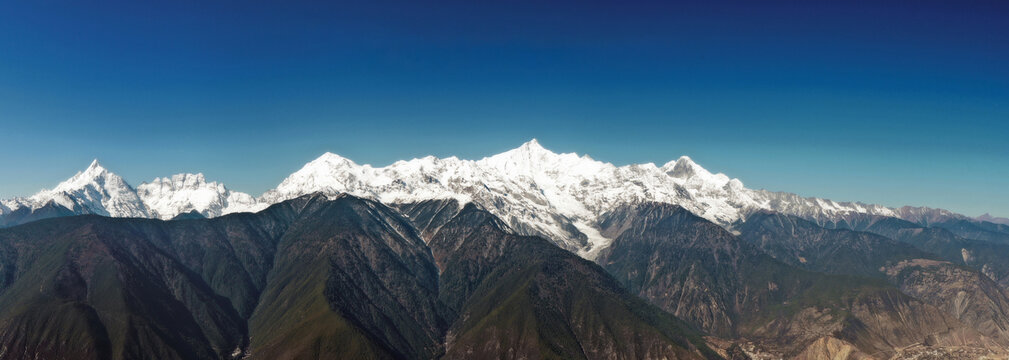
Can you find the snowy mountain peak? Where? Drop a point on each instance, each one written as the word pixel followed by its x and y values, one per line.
pixel 94 190
pixel 533 160
pixel 683 168
pixel 530 153
pixel 95 165
pixel 560 196
pixel 184 193
pixel 533 145
pixel 182 181
pixel 697 177
pixel 95 173
pixel 330 160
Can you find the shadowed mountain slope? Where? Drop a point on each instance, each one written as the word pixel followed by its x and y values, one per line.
pixel 523 297
pixel 990 258
pixel 315 277
pixel 293 277
pixel 710 278
pixel 806 245
pixel 962 292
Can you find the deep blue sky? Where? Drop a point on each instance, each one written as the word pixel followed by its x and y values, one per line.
pixel 892 102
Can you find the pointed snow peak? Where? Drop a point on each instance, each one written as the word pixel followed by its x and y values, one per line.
pixel 94 190
pixel 329 173
pixel 94 170
pixel 686 161
pixel 95 165
pixel 332 159
pixel 533 144
pixel 95 173
pixel 530 151
pixel 532 159
pixel 684 168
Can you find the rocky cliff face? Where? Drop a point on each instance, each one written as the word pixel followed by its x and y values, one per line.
pixel 429 216
pixel 967 295
pixel 679 262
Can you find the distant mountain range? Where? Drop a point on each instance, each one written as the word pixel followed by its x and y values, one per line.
pixel 527 254
pixel 992 219
pixel 534 190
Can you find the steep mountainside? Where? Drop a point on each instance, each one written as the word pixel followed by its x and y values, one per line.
pixel 429 216
pixel 350 279
pixel 705 275
pixel 293 278
pixel 522 297
pixel 315 277
pixel 962 292
pixel 988 257
pixel 92 287
pixel 806 245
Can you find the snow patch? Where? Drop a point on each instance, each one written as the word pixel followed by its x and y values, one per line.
pixel 597 242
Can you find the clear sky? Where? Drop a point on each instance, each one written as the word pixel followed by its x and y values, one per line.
pixel 891 102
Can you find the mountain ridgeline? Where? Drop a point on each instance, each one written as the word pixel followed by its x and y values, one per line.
pixel 728 287
pixel 537 192
pixel 345 277
pixel 316 278
pixel 527 254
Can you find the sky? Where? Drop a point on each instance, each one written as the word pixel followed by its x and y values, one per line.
pixel 889 102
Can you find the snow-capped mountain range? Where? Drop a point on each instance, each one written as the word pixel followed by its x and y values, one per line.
pixel 536 191
pixel 96 190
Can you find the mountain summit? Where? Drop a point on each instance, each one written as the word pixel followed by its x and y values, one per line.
pixel 560 196
pixel 168 197
pixel 96 190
